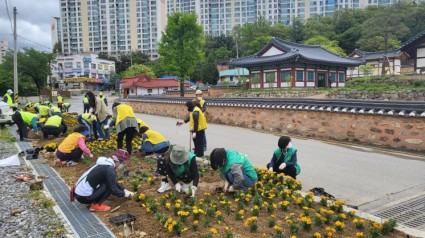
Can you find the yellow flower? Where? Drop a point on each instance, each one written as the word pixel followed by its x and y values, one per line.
pixel 184 229
pixel 195 222
pixel 241 212
pixel 317 235
pixel 177 205
pixel 168 205
pixel 213 230
pixel 359 234
pixel 217 213
pixel 142 196
pixel 278 228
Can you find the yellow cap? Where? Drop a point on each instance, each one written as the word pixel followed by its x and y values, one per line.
pixel 100 94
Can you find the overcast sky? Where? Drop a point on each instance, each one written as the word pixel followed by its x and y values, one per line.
pixel 33 22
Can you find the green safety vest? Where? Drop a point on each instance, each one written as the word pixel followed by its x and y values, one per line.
pixel 55 121
pixel 86 100
pixel 85 117
pixel 60 99
pixel 55 109
pixel 9 100
pixel 180 169
pixel 27 117
pixel 43 110
pixel 291 151
pixel 234 157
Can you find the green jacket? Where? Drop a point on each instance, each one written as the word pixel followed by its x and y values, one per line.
pixel 234 157
pixel 288 156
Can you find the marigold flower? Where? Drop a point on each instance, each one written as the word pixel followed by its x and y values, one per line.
pixel 213 230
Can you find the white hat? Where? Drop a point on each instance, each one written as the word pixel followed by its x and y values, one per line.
pixel 9 91
pixel 179 155
pixel 198 92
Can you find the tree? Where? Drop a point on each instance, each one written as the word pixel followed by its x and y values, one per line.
pixel 297 30
pixel 181 45
pixel 327 44
pixel 366 69
pixel 137 69
pixel 319 26
pixel 33 69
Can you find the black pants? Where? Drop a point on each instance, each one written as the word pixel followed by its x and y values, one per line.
pixel 60 106
pixel 129 133
pixel 199 143
pixel 86 107
pixel 22 127
pixel 75 155
pixel 288 170
pixel 53 130
pixel 161 168
pixel 99 195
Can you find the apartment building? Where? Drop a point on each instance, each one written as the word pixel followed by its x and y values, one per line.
pixel 122 26
pixel 4 48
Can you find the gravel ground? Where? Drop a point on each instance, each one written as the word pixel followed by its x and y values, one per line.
pixel 34 214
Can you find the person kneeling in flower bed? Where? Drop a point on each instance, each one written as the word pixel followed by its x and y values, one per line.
pixel 285 159
pixel 54 126
pixel 72 148
pixel 181 167
pixel 99 182
pixel 152 142
pixel 66 106
pixel 235 169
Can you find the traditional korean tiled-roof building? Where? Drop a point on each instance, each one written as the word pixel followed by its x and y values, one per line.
pixel 142 85
pixel 283 64
pixel 376 59
pixel 415 47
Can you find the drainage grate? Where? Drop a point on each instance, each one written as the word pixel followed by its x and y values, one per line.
pixel 410 213
pixel 83 223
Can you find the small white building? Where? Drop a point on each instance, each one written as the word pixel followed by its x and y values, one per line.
pixel 376 59
pixel 80 70
pixel 231 76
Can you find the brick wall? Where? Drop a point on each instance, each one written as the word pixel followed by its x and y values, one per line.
pixel 384 131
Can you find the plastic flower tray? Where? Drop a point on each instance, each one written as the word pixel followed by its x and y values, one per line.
pixel 121 219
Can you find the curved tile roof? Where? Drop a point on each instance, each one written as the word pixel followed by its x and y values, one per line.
pixel 377 55
pixel 293 52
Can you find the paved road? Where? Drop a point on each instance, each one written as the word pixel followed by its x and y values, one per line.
pixel 356 174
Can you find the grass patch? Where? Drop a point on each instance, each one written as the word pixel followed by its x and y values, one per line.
pixel 5 135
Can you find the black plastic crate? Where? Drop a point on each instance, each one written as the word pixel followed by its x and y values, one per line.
pixel 121 219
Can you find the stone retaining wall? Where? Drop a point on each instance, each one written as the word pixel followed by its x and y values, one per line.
pixel 271 94
pixel 385 131
pixel 405 95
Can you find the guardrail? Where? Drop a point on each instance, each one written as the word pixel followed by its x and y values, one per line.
pixel 372 107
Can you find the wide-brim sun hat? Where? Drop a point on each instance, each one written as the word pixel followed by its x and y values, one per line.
pixel 179 155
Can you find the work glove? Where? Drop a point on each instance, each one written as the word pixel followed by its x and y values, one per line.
pixel 36 132
pixel 193 189
pixel 91 155
pixel 128 194
pixel 178 187
pixel 194 135
pixel 226 186
pixel 231 189
pixel 106 127
pixel 271 169
pixel 282 166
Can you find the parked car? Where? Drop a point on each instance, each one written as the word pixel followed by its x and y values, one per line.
pixel 6 113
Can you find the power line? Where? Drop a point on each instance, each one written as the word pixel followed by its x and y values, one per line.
pixel 35 42
pixel 8 14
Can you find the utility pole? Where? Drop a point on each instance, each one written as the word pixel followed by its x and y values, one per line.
pixel 15 57
pixel 384 61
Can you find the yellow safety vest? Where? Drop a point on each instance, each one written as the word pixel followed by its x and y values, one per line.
pixel 86 100
pixel 43 110
pixel 55 121
pixel 27 117
pixel 9 100
pixel 154 137
pixel 70 143
pixel 202 121
pixel 55 109
pixel 86 116
pixel 202 102
pixel 60 99
pixel 123 111
pixel 141 123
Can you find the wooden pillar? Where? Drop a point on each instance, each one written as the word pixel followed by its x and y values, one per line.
pixel 328 79
pixel 293 76
pixel 337 77
pixel 250 80
pixel 316 80
pixel 278 77
pixel 261 79
pixel 305 76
